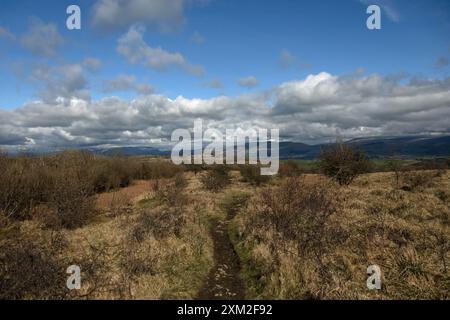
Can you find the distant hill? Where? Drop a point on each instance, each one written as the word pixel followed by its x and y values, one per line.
pixel 380 147
pixel 377 147
pixel 132 151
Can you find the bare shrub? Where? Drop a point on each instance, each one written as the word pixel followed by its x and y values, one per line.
pixel 70 202
pixel 252 174
pixel 415 180
pixel 343 163
pixel 32 267
pixel 170 192
pixel 180 181
pixel 99 280
pixel 195 168
pixel 119 204
pixel 158 169
pixel 138 258
pixel 302 213
pixel 300 221
pixel 59 187
pixel 25 182
pixel 290 168
pixel 109 173
pixel 216 179
pixel 160 222
pixel 395 165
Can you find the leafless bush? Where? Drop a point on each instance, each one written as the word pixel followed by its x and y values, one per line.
pixel 119 204
pixel 414 180
pixel 32 268
pixel 395 165
pixel 25 182
pixel 170 192
pixel 158 169
pixel 160 222
pixel 302 213
pixel 180 181
pixel 216 179
pixel 252 174
pixel 60 187
pixel 97 273
pixel 343 163
pixel 290 168
pixel 138 258
pixel 70 204
pixel 195 168
pixel 300 220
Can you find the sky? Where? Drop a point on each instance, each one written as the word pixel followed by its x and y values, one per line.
pixel 139 69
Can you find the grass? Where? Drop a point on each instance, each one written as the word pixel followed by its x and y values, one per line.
pixel 405 233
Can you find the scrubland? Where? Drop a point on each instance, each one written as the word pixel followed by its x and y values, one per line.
pixel 142 229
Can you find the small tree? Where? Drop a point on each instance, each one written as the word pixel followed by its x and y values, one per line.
pixel 394 165
pixel 343 162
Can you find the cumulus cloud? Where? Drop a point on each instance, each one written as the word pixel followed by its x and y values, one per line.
pixel 215 84
pixel 42 39
pixel 60 81
pixel 248 82
pixel 126 83
pixel 313 109
pixel 145 89
pixel 133 47
pixel 113 14
pixel 92 64
pixel 120 83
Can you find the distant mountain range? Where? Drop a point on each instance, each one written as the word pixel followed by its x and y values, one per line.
pixel 378 147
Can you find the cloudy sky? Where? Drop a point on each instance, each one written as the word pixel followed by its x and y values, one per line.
pixel 138 69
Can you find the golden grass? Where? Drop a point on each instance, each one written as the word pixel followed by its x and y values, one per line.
pixel 406 233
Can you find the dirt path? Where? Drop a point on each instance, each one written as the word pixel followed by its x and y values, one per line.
pixel 223 281
pixel 132 194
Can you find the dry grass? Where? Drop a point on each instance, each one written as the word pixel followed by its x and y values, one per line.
pixel 298 237
pixel 406 233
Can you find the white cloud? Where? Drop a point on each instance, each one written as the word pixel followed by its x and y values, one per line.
pixel 248 82
pixel 120 83
pixel 133 47
pixel 215 84
pixel 308 110
pixel 52 82
pixel 42 39
pixel 113 14
pixel 125 82
pixel 92 64
pixel 145 89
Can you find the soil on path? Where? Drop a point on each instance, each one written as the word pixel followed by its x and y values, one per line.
pixel 223 281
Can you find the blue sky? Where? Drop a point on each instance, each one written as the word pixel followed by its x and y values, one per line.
pixel 311 68
pixel 240 39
